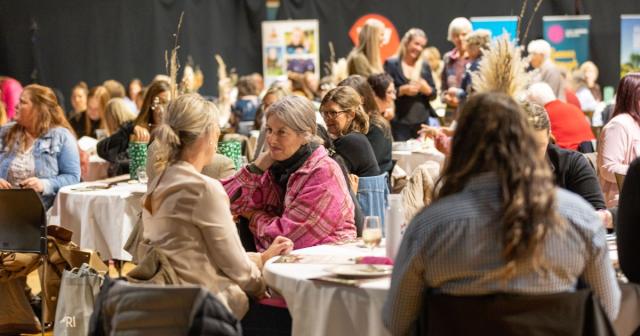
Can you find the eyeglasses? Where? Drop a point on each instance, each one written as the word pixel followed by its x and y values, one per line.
pixel 332 114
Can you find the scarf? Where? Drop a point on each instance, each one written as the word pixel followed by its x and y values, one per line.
pixel 282 170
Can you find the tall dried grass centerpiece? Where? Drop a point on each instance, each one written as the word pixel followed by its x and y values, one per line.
pixel 171 62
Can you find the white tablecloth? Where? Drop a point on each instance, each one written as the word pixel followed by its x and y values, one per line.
pixel 409 160
pixel 328 309
pixel 101 220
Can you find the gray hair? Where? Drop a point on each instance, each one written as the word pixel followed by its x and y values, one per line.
pixel 539 47
pixel 458 25
pixel 187 118
pixel 541 93
pixel 299 114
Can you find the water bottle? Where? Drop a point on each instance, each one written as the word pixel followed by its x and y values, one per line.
pixel 395 224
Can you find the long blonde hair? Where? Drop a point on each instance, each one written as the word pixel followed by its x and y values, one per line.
pixel 369 43
pixel 102 95
pixel 116 113
pixel 187 118
pixel 402 50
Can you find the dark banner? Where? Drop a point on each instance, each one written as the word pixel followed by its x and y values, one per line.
pixel 58 43
pixel 338 16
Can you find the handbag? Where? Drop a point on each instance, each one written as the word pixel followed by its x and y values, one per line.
pixel 78 291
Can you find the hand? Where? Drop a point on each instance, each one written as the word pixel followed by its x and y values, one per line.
pixel 451 99
pixel 410 89
pixel 606 218
pixel 388 113
pixel 428 131
pixel 279 246
pixel 141 134
pixel 4 184
pixel 33 183
pixel 425 88
pixel 264 160
pixel 248 215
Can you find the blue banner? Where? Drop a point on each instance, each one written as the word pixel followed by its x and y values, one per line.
pixel 497 25
pixel 629 44
pixel 569 38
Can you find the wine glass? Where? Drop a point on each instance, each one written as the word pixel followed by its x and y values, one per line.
pixel 372 232
pixel 141 173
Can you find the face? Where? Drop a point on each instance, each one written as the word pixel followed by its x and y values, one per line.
pixel 134 89
pixel 25 112
pixel 473 51
pixel 94 111
pixel 157 107
pixel 390 94
pixel 590 75
pixel 381 37
pixel 536 60
pixel 415 46
pixel 283 142
pixel 336 118
pixel 457 39
pixel 542 140
pixel 268 100
pixel 79 100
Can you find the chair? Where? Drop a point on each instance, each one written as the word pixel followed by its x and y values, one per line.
pixel 372 195
pixel 137 309
pixel 23 227
pixel 576 313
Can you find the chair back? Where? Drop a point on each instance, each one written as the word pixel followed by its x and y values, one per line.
pixel 576 313
pixel 23 224
pixel 372 195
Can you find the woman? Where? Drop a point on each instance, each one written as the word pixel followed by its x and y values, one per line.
pixel 364 59
pixel 385 94
pixel 498 224
pixel 347 123
pixel 379 134
pixel 134 90
pixel 88 122
pixel 114 148
pixel 627 228
pixel 294 189
pixel 274 94
pixel 39 150
pixel 590 71
pixel 412 77
pixel 619 142
pixel 10 90
pixel 79 95
pixel 583 92
pixel 116 113
pixel 186 214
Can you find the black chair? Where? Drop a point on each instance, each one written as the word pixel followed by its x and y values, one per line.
pixel 576 313
pixel 23 227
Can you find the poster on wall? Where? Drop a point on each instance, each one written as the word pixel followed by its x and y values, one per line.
pixel 569 39
pixel 497 25
pixel 629 44
pixel 289 46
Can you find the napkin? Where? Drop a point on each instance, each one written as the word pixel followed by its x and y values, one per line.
pixel 374 260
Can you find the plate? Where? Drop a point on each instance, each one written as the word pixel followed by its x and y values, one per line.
pixel 361 271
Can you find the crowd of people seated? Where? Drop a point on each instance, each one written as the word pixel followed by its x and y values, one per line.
pixel 515 208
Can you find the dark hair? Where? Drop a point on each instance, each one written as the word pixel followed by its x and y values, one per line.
pixel 628 96
pixel 360 84
pixel 146 115
pixel 379 84
pixel 493 136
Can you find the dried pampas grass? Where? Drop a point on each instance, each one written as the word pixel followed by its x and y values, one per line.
pixel 171 62
pixel 501 69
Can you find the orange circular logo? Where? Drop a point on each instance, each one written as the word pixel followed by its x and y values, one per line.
pixel 391 38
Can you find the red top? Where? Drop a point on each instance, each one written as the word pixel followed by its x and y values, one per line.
pixel 572 98
pixel 569 125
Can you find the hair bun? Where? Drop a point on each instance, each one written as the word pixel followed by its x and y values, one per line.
pixel 167 135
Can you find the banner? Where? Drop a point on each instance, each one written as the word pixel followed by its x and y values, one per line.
pixel 497 25
pixel 629 44
pixel 289 46
pixel 569 38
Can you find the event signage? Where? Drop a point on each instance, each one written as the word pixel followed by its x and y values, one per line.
pixel 497 25
pixel 569 38
pixel 289 46
pixel 629 44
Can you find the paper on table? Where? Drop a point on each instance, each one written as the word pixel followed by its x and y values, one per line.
pixel 344 281
pixel 316 259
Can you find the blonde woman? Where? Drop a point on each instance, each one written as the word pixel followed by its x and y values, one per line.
pixel 365 59
pixel 86 123
pixel 414 82
pixel 186 214
pixel 116 113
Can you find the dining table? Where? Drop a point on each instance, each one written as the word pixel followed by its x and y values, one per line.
pixel 101 215
pixel 409 155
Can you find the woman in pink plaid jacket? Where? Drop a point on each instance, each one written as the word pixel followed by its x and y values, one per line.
pixel 294 189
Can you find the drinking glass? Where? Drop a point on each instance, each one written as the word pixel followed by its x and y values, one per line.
pixel 141 173
pixel 372 232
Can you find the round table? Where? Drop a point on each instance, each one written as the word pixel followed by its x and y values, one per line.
pixel 100 219
pixel 410 160
pixel 320 308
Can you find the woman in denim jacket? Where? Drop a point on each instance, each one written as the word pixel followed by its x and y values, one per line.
pixel 39 150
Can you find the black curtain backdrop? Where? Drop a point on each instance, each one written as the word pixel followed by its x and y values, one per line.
pixel 337 16
pixel 60 42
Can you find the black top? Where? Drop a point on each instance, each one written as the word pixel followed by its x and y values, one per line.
pixel 77 123
pixel 573 172
pixel 114 149
pixel 416 109
pixel 381 148
pixel 358 155
pixel 628 224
